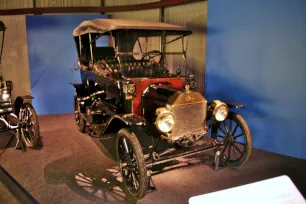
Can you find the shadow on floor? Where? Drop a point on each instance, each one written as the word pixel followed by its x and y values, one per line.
pixel 103 182
pixel 107 144
pixel 5 140
pixel 95 183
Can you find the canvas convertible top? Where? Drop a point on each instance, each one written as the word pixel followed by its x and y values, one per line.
pixel 105 25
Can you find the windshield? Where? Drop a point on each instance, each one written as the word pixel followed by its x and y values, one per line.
pixel 141 53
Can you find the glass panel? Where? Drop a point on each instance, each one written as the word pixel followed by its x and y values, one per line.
pixel 103 41
pixel 175 62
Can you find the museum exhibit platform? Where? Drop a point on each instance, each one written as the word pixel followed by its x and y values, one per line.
pixel 76 168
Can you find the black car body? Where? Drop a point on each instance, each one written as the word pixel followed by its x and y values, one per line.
pixel 139 86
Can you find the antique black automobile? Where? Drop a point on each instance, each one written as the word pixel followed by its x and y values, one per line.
pixel 128 87
pixel 19 116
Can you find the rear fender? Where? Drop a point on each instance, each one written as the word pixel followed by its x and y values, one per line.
pixel 20 100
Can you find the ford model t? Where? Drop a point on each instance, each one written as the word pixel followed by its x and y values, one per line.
pixel 19 115
pixel 136 83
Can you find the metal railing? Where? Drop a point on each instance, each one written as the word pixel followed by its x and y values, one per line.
pixel 22 195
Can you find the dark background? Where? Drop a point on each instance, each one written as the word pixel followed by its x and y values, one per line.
pixel 51 53
pixel 256 54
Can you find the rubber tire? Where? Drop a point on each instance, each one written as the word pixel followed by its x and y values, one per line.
pixel 36 141
pixel 143 183
pixel 247 134
pixel 81 127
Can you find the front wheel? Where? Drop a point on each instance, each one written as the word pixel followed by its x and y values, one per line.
pixel 236 136
pixel 30 131
pixel 132 164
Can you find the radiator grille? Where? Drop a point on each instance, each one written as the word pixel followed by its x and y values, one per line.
pixel 189 120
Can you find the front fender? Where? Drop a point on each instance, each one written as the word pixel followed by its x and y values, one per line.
pixel 230 105
pixel 117 122
pixel 234 104
pixel 20 100
pixel 26 97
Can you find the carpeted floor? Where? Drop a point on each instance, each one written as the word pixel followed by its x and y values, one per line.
pixel 75 168
pixel 5 138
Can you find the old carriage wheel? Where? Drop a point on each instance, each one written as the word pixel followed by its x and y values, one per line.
pixel 79 120
pixel 237 138
pixel 132 165
pixel 30 132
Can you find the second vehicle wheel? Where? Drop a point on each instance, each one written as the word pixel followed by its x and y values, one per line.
pixel 30 132
pixel 79 120
pixel 236 135
pixel 132 164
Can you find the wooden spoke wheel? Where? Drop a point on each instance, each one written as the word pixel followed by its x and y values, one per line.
pixel 132 164
pixel 30 131
pixel 236 136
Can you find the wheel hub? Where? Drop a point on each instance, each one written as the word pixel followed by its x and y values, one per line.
pixel 128 164
pixel 229 139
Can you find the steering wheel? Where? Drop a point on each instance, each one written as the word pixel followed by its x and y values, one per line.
pixel 101 68
pixel 151 57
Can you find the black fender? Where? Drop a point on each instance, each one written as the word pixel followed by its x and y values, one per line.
pixel 141 130
pixel 80 89
pixel 76 85
pixel 87 90
pixel 234 104
pixel 211 123
pixel 19 102
pixel 147 134
pixel 230 104
pixel 119 121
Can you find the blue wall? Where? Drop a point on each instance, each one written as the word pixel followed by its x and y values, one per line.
pixel 256 54
pixel 51 54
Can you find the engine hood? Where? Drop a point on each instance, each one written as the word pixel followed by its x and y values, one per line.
pixel 184 98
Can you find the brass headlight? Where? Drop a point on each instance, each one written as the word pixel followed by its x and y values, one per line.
pixel 5 96
pixel 131 88
pixel 165 120
pixel 220 110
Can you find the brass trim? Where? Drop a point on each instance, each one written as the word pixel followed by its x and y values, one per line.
pixel 184 98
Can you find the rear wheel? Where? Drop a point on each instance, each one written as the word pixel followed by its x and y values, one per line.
pixel 132 164
pixel 30 132
pixel 79 120
pixel 236 135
